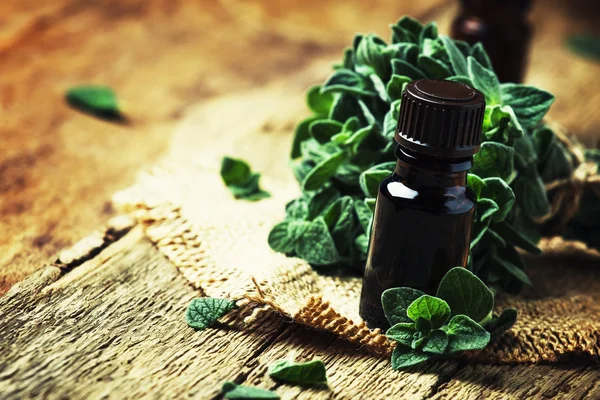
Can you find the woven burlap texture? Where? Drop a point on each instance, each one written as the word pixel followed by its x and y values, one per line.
pixel 219 245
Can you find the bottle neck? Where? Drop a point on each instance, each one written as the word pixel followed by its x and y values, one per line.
pixel 416 170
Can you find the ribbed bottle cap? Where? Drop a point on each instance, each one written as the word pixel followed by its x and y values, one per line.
pixel 440 118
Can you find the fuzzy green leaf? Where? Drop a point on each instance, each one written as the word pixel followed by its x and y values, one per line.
pixel 234 391
pixel 346 81
pixel 457 58
pixel 98 100
pixel 496 189
pixel 465 334
pixel 323 129
pixel 403 332
pixel 529 103
pixel 476 184
pixel 437 342
pixel 241 181
pixel 319 103
pixel 279 240
pixel 316 245
pixel 430 308
pixel 433 68
pixel 369 181
pixel 485 80
pixel 504 322
pixel 396 301
pixel 401 67
pixel 494 160
pixel 411 28
pixel 512 269
pixel 479 53
pixel 203 312
pixel 404 357
pixel 514 237
pixel 363 214
pixel 323 171
pixel 395 86
pixel 466 294
pixel 320 202
pixel 306 373
pixel 301 134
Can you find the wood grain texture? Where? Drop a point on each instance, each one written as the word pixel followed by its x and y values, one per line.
pixel 117 330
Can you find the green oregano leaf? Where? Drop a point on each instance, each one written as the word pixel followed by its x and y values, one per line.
pixel 301 134
pixel 479 53
pixel 234 391
pixel 363 214
pixel 485 80
pixel 494 160
pixel 465 334
pixel 457 59
pixel 395 86
pixel 496 189
pixel 431 309
pixel 437 342
pixel 241 181
pixel 323 129
pixel 504 322
pixel 316 244
pixel 529 103
pixel 404 357
pixel 512 269
pixel 323 171
pixel 401 67
pixel 410 27
pixel 306 373
pixel 203 312
pixel 466 294
pixel 279 240
pixel 433 68
pixel 319 103
pixel 369 181
pixel 346 81
pixel 98 100
pixel 514 237
pixel 403 332
pixel 476 184
pixel 395 303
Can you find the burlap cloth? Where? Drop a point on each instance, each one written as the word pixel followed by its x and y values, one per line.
pixel 220 246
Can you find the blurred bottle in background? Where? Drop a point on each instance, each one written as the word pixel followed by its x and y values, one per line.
pixel 503 28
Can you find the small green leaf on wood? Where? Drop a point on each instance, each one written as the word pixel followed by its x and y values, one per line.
pixel 98 100
pixel 234 391
pixel 404 357
pixel 306 373
pixel 203 312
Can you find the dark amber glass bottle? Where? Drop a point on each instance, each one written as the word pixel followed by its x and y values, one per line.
pixel 424 212
pixel 503 29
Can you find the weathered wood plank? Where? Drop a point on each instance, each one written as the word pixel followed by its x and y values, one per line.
pixel 119 332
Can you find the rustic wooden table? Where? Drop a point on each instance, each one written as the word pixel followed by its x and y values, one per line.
pixel 109 324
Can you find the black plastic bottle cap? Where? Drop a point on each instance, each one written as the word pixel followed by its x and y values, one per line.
pixel 440 118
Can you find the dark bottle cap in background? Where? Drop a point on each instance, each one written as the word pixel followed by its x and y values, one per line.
pixel 440 118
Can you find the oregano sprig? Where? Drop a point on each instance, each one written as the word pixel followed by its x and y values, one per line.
pixel 459 318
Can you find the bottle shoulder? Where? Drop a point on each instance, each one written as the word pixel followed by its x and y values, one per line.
pixel 452 199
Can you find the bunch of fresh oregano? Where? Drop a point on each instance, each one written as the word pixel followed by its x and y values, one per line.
pixel 459 318
pixel 341 153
